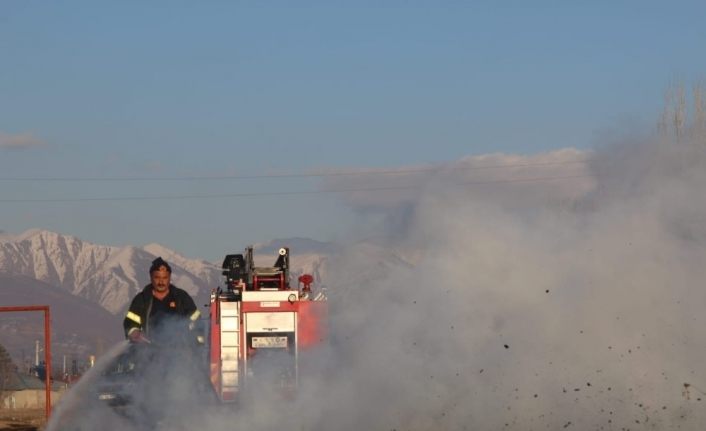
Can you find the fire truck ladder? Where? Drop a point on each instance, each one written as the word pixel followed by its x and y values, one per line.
pixel 230 349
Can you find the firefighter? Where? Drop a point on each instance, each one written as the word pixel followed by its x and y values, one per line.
pixel 158 304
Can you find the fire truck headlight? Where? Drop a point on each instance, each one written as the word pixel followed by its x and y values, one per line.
pixel 292 298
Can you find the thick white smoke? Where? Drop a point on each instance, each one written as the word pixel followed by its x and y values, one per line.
pixel 526 308
pixel 512 300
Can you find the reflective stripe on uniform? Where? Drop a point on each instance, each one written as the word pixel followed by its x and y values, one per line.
pixel 200 339
pixel 132 330
pixel 134 317
pixel 195 315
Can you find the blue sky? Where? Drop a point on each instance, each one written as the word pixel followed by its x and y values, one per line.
pixel 131 89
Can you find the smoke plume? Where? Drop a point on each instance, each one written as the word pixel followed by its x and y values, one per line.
pixel 537 304
pixel 563 291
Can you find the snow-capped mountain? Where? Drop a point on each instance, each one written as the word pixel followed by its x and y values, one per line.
pixel 89 286
pixel 108 276
pixel 111 276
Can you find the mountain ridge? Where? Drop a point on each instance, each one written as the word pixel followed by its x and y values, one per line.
pixel 110 276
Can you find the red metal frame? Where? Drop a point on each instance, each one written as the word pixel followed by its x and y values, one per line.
pixel 47 347
pixel 255 306
pixel 311 323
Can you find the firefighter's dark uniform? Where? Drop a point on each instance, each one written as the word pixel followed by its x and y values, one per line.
pixel 171 326
pixel 147 312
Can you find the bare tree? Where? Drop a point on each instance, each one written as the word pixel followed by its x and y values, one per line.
pixel 665 120
pixel 679 111
pixel 6 370
pixel 675 121
pixel 699 111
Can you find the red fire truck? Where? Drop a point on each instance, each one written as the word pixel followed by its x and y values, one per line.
pixel 260 324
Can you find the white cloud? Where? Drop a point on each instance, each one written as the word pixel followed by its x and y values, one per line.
pixel 19 141
pixel 381 190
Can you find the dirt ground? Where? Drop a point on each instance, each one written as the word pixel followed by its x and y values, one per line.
pixel 22 419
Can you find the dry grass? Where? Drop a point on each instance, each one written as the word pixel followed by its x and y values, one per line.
pixel 22 419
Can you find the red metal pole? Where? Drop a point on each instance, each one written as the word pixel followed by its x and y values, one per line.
pixel 25 308
pixel 47 359
pixel 47 347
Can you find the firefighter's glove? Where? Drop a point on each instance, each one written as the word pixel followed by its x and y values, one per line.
pixel 138 337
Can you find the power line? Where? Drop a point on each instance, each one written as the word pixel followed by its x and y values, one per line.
pixel 309 175
pixel 283 193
